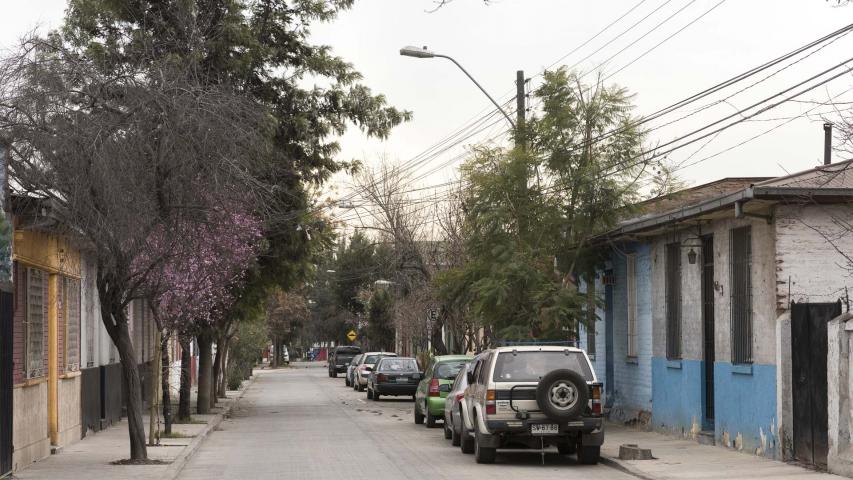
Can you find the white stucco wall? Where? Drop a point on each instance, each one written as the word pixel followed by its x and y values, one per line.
pixel 810 240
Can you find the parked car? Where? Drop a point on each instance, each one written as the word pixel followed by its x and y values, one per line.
pixel 533 396
pixel 351 368
pixel 285 356
pixel 394 376
pixel 455 404
pixel 362 371
pixel 340 357
pixel 433 388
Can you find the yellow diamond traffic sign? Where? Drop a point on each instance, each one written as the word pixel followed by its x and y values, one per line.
pixel 352 335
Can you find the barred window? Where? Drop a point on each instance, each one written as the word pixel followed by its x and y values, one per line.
pixel 71 304
pixel 741 294
pixel 631 294
pixel 673 300
pixel 35 323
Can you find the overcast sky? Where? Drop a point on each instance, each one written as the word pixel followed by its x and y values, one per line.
pixel 493 41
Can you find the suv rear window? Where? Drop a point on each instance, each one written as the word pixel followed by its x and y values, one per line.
pixel 347 351
pixel 390 364
pixel 532 366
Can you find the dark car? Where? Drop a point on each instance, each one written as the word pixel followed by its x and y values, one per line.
pixel 340 358
pixel 393 376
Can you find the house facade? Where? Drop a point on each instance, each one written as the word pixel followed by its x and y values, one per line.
pixel 46 350
pixel 65 372
pixel 697 307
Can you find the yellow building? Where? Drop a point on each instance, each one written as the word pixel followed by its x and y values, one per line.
pixel 46 352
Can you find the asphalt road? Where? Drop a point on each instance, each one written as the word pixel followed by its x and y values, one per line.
pixel 298 423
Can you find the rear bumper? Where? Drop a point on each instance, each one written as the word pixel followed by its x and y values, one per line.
pixel 340 368
pixel 589 429
pixel 436 406
pixel 394 389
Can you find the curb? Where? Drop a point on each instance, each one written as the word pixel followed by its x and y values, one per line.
pixel 630 470
pixel 183 458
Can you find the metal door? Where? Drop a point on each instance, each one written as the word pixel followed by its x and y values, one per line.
pixel 708 328
pixel 6 316
pixel 808 369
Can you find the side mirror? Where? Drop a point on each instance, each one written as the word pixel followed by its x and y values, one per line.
pixel 470 376
pixel 369 369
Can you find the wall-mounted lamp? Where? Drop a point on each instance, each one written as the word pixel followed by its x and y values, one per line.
pixel 691 256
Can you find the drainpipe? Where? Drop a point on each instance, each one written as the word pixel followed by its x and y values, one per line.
pixel 827 143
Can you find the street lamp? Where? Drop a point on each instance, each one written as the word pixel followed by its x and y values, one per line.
pixel 427 53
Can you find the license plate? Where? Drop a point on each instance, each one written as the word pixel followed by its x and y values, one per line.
pixel 402 380
pixel 544 429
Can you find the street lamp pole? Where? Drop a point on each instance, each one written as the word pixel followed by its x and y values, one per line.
pixel 426 53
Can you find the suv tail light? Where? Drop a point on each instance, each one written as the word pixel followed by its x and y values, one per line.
pixel 380 377
pixel 595 399
pixel 459 396
pixel 433 388
pixel 491 408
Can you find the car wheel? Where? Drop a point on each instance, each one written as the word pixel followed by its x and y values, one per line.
pixel 588 455
pixel 369 393
pixel 419 417
pixel 430 418
pixel 346 380
pixel 483 454
pixel 467 441
pixel 566 448
pixel 375 395
pixel 360 387
pixel 333 374
pixel 447 432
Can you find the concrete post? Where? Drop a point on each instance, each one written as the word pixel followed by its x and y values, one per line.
pixel 53 358
pixel 840 456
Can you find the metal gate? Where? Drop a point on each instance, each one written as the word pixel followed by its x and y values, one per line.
pixel 6 332
pixel 808 369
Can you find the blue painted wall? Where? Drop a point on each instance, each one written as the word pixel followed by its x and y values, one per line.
pixel 632 377
pixel 677 397
pixel 745 404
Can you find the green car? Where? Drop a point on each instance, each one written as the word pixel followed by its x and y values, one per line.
pixel 433 388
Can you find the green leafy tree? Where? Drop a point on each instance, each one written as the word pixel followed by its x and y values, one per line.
pixel 380 320
pixel 529 211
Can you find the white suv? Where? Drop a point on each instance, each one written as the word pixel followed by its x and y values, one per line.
pixel 533 396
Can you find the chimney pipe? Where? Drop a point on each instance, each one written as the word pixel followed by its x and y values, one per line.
pixel 827 143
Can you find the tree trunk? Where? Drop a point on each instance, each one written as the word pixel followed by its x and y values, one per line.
pixel 164 376
pixel 217 371
pixel 153 384
pixel 133 386
pixel 184 413
pixel 222 386
pixel 205 373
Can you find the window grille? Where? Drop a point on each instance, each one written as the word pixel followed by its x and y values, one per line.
pixel 71 291
pixel 741 294
pixel 35 323
pixel 673 300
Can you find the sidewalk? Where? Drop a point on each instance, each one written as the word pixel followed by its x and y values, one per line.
pixel 686 459
pixel 90 457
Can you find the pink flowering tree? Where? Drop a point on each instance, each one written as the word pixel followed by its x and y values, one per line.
pixel 204 262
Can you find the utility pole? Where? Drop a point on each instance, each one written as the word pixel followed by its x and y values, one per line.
pixel 519 101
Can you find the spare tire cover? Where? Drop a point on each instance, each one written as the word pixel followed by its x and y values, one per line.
pixel 562 394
